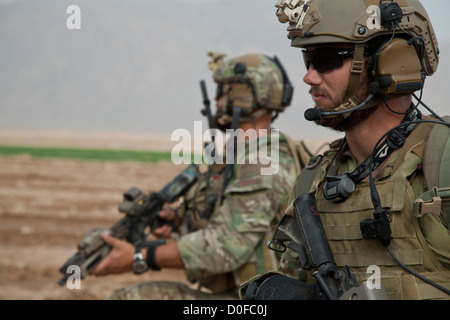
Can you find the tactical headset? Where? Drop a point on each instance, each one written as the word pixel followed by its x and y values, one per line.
pixel 288 88
pixel 398 65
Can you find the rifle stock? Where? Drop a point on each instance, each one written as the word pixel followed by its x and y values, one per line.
pixel 141 211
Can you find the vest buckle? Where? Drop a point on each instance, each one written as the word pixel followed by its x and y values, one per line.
pixel 425 207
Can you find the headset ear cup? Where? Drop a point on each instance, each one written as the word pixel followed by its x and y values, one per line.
pixel 398 69
pixel 288 88
pixel 288 91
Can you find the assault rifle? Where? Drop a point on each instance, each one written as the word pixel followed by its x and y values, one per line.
pixel 141 211
pixel 207 110
pixel 307 237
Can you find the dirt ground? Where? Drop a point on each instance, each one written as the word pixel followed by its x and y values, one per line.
pixel 48 205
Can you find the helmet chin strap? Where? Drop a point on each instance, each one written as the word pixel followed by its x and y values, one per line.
pixel 350 99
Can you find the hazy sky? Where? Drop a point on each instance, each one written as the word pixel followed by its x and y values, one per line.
pixel 136 65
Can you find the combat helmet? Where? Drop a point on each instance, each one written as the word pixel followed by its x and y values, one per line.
pixel 260 83
pixel 408 53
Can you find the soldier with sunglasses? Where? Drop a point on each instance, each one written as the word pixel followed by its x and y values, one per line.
pixel 368 203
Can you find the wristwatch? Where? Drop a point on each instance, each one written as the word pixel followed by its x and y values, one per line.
pixel 139 264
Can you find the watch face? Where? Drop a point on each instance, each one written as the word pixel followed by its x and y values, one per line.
pixel 139 265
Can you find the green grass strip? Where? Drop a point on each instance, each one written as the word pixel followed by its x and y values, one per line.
pixel 86 154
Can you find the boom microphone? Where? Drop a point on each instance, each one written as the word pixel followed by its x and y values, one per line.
pixel 312 114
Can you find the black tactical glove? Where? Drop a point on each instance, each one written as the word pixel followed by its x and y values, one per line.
pixel 279 287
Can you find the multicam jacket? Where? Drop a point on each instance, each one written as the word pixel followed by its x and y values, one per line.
pixel 227 248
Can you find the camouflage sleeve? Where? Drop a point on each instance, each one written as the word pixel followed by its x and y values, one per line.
pixel 251 202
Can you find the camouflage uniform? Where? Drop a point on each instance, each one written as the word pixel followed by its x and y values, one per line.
pixel 222 252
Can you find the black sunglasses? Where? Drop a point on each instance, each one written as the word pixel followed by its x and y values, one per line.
pixel 326 58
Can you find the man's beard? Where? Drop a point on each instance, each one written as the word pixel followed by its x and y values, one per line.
pixel 357 116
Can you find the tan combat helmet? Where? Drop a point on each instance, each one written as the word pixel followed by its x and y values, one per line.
pixel 260 84
pixel 401 63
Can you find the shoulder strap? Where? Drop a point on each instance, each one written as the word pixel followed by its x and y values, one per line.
pixel 313 170
pixel 436 159
pixel 436 169
pixel 436 165
pixel 417 137
pixel 306 177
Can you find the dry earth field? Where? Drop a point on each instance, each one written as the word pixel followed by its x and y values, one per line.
pixel 48 205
